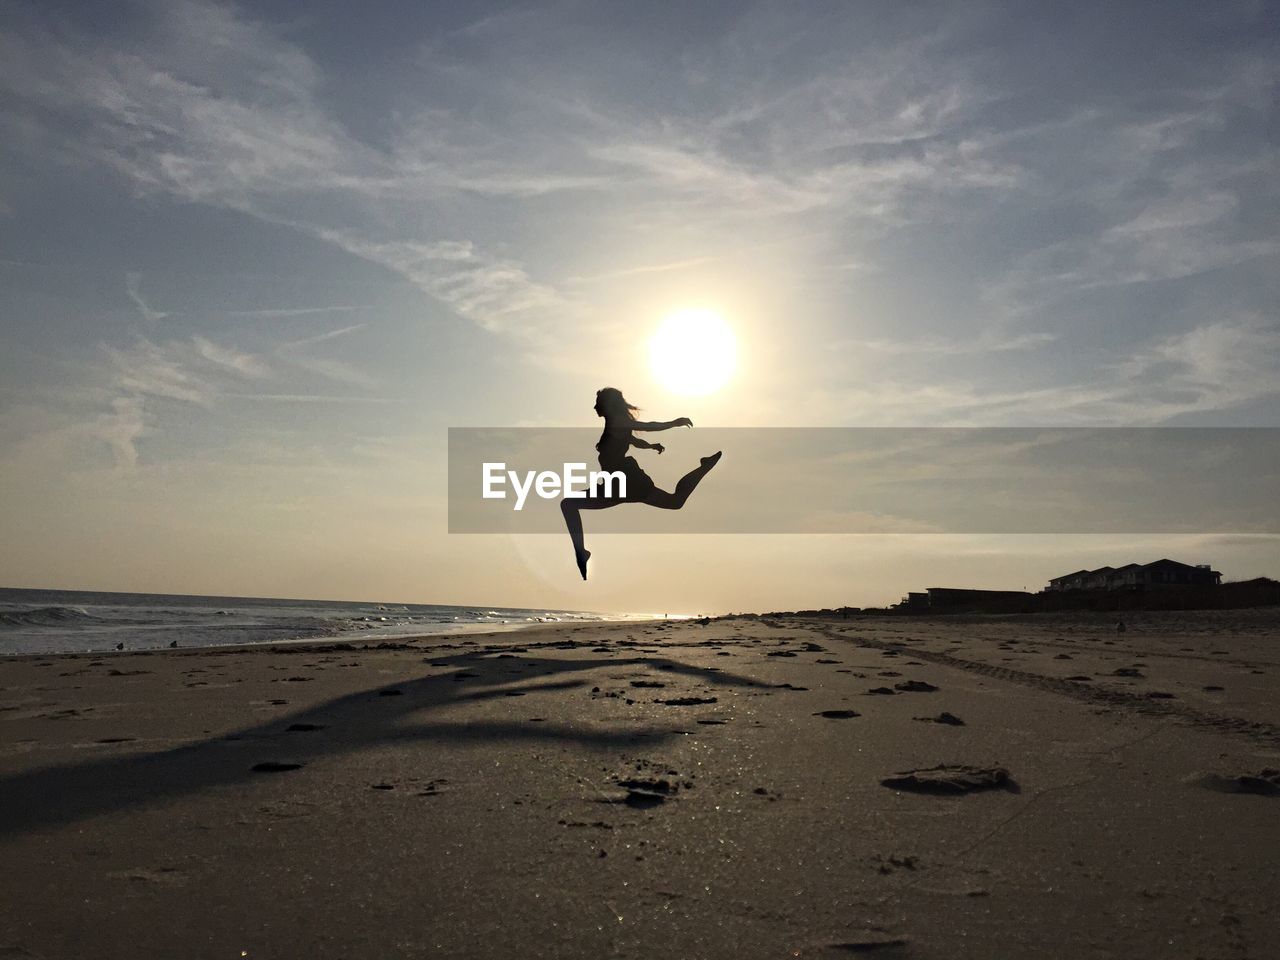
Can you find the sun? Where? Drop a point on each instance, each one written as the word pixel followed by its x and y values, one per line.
pixel 693 353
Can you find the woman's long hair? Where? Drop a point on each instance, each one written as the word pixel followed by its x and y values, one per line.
pixel 615 405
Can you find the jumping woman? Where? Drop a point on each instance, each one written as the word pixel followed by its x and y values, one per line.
pixel 618 435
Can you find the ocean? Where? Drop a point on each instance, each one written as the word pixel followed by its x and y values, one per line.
pixel 74 621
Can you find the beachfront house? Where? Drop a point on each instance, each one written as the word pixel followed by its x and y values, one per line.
pixel 1136 576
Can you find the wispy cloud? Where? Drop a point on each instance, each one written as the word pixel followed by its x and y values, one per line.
pixel 133 284
pixel 309 398
pixel 295 311
pixel 328 335
pixel 1217 366
pixel 195 371
pixel 245 364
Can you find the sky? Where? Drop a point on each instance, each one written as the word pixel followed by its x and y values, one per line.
pixel 256 259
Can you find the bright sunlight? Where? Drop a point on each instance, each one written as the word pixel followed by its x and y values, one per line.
pixel 693 353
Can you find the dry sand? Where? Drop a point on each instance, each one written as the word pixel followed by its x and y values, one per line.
pixel 655 790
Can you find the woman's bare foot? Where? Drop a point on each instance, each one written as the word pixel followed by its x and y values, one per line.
pixel 583 557
pixel 711 461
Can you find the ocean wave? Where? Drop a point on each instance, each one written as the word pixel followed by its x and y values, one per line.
pixel 47 617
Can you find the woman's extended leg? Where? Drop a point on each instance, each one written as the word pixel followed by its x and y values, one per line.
pixel 674 501
pixel 572 508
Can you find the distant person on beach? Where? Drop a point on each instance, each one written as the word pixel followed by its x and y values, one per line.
pixel 618 436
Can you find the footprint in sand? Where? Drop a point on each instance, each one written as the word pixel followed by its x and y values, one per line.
pixel 915 686
pixel 949 719
pixel 1265 782
pixel 951 780
pixel 837 714
pixel 881 691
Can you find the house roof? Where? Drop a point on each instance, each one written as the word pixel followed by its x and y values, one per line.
pixel 1068 576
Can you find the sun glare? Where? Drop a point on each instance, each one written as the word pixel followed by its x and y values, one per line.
pixel 693 353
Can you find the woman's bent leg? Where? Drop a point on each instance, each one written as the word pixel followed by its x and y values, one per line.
pixel 686 486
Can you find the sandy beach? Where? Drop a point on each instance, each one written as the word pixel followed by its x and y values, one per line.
pixel 978 787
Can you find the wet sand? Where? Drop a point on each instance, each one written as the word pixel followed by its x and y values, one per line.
pixel 963 787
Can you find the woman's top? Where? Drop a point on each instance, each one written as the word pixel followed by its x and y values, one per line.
pixel 612 449
pixel 612 446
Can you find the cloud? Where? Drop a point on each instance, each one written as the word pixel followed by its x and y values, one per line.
pixel 209 105
pixel 1164 194
pixel 133 283
pixel 1216 366
pixel 244 364
pixel 940 346
pixel 271 313
pixel 196 371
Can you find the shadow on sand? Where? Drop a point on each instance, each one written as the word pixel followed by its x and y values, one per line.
pixel 57 795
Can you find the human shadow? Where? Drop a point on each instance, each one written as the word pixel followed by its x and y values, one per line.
pixel 57 795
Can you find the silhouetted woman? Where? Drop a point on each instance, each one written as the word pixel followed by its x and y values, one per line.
pixel 618 436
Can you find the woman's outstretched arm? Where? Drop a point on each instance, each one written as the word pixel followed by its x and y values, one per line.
pixel 661 424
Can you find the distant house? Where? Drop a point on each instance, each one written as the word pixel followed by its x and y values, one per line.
pixel 1068 581
pixel 914 601
pixel 1159 573
pixel 945 599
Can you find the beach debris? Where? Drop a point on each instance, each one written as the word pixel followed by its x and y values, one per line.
pixel 837 714
pixel 432 788
pixel 650 684
pixel 645 792
pixel 688 701
pixel 915 686
pixel 874 943
pixel 275 766
pixel 950 779
pixel 887 864
pixel 1266 782
pixel 950 719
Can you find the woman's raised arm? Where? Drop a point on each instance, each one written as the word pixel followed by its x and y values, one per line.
pixel 660 424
